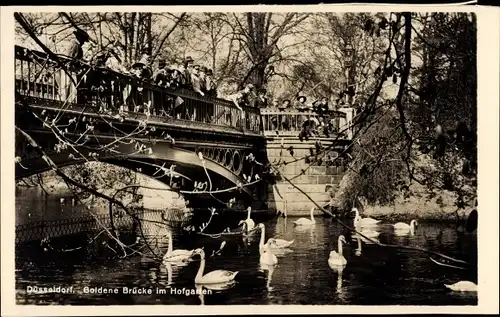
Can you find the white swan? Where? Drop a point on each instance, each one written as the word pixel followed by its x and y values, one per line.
pixel 373 240
pixel 337 259
pixel 305 221
pixel 404 228
pixel 178 255
pixel 363 222
pixel 281 243
pixel 462 286
pixel 262 228
pixel 276 243
pixel 214 277
pixel 250 224
pixel 367 233
pixel 267 257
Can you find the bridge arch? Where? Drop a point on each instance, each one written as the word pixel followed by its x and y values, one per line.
pixel 187 162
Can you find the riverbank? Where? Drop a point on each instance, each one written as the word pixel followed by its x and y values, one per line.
pixel 416 201
pixel 417 205
pixel 153 193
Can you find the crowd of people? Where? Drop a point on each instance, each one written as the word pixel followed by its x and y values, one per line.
pixel 318 122
pixel 188 75
pixel 317 119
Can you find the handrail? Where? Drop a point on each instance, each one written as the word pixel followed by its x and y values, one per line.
pixel 21 53
pixel 289 122
pixel 269 111
pixel 38 75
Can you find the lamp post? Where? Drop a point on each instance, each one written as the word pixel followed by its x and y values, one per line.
pixel 349 57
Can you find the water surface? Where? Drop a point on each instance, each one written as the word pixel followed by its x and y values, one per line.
pixel 373 275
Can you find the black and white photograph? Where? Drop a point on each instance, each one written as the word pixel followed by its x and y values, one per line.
pixel 273 157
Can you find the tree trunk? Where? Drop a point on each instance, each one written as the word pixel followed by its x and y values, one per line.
pixel 131 43
pixel 149 39
pixel 135 29
pixel 258 76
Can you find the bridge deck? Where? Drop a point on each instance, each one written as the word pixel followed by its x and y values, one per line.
pixel 41 82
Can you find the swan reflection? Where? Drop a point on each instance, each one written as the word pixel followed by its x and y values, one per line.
pixel 281 251
pixel 371 235
pixel 357 252
pixel 281 225
pixel 248 239
pixel 166 269
pixel 338 269
pixel 270 270
pixel 207 289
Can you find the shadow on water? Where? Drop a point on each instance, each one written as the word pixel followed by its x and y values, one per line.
pixel 373 275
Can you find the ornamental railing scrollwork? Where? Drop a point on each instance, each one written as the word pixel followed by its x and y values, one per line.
pixel 36 75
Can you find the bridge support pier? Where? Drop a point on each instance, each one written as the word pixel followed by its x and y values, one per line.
pixel 311 175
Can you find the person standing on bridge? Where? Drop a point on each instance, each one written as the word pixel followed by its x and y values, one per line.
pixel 75 50
pixel 196 80
pixel 162 78
pixel 186 70
pixel 203 79
pixel 198 86
pixel 210 84
pixel 322 108
pixel 261 100
pixel 161 75
pixel 300 104
pixel 71 86
pixel 142 71
pixel 241 99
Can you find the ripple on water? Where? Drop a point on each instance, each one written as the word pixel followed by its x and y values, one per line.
pixel 373 275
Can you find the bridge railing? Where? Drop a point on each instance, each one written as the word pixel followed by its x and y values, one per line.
pixel 291 122
pixel 37 75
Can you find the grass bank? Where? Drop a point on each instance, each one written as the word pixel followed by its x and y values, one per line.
pixel 417 204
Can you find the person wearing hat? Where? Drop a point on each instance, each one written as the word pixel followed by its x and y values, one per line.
pixel 142 69
pixel 285 104
pixel 163 78
pixel 202 74
pixel 186 70
pixel 160 76
pixel 75 50
pixel 300 104
pixel 196 80
pixel 321 107
pixel 210 85
pixel 98 79
pixel 261 100
pixel 69 91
